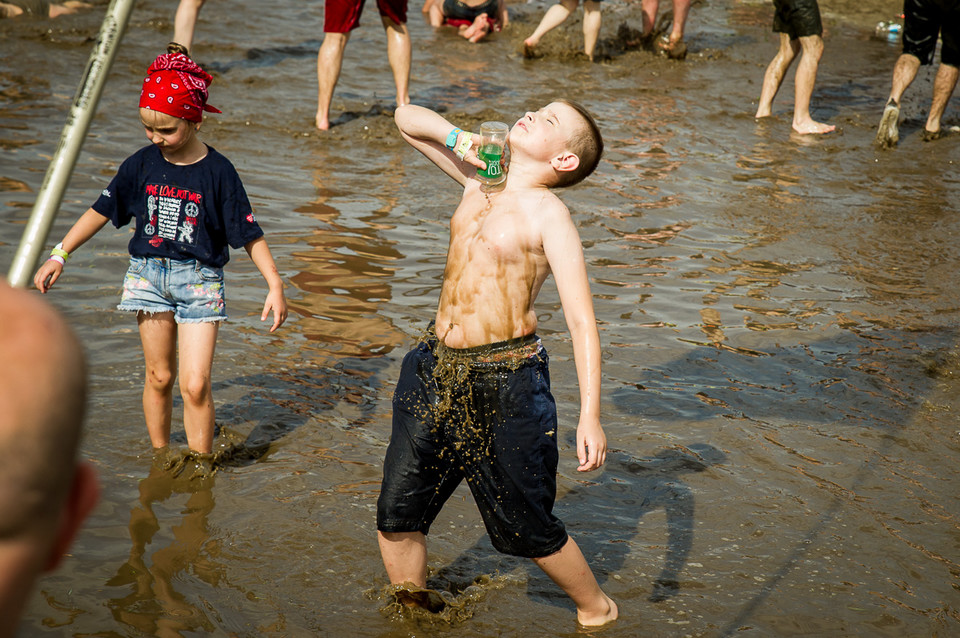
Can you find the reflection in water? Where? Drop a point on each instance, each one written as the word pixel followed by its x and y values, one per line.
pixel 650 132
pixel 155 605
pixel 345 277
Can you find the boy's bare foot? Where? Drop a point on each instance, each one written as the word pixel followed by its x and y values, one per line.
pixel 813 128
pixel 420 597
pixel 887 134
pixel 323 122
pixel 930 136
pixel 601 617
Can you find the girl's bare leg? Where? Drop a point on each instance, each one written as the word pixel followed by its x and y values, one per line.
pixel 158 334
pixel 197 343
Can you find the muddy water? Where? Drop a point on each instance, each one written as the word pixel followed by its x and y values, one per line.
pixel 779 319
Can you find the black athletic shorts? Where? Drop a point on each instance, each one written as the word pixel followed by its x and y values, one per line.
pixel 924 20
pixel 797 18
pixel 491 421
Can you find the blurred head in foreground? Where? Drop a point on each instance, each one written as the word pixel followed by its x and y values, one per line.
pixel 45 492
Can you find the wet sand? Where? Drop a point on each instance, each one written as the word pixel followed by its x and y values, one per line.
pixel 779 318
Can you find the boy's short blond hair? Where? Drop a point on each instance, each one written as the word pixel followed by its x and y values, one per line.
pixel 586 143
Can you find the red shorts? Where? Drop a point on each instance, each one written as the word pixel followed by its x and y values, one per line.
pixel 343 16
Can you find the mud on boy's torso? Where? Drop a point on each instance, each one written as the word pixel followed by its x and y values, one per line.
pixel 495 268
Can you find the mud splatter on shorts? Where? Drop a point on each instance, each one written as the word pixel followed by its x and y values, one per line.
pixel 482 414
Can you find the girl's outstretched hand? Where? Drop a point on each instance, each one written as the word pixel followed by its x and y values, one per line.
pixel 277 302
pixel 47 275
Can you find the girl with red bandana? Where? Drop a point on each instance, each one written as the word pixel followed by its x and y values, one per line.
pixel 189 207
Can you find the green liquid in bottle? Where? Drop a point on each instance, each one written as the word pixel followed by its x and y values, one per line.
pixel 492 154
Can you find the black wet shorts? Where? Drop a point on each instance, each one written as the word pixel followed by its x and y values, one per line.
pixel 923 22
pixel 485 415
pixel 457 10
pixel 797 18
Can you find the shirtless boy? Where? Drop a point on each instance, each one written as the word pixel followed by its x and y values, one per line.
pixel 473 399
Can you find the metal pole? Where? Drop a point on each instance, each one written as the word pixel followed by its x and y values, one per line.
pixel 71 140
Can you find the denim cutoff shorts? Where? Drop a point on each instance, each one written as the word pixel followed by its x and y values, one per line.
pixel 190 290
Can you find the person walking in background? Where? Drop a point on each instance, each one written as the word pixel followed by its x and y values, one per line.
pixel 801 32
pixel 672 44
pixel 556 15
pixel 45 491
pixel 340 17
pixel 924 22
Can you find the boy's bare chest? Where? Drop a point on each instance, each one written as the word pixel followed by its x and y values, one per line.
pixel 497 232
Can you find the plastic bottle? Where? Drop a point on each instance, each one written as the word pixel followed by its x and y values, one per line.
pixel 493 140
pixel 890 30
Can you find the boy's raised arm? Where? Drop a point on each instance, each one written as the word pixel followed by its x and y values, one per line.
pixel 427 131
pixel 561 244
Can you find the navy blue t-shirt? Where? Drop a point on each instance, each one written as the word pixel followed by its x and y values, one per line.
pixel 197 211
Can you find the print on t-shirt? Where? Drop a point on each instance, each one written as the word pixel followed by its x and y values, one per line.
pixel 171 214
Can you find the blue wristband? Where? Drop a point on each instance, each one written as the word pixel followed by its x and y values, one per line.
pixel 452 138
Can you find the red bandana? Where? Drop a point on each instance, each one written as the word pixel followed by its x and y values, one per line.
pixel 177 86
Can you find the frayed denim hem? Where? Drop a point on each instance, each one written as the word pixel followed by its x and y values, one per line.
pixel 152 311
